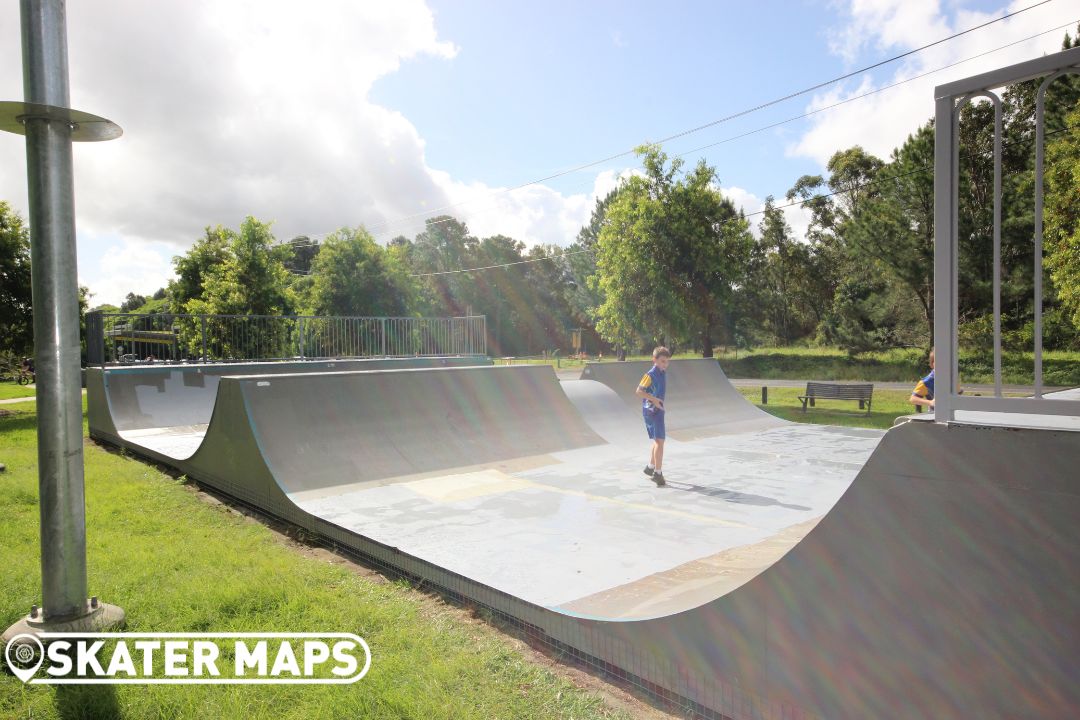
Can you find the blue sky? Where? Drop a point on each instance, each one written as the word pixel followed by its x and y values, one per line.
pixel 381 113
pixel 537 87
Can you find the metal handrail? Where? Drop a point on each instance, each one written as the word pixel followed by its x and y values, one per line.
pixel 114 338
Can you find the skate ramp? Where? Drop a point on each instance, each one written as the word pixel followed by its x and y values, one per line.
pixel 504 476
pixel 700 400
pixel 327 430
pixel 943 584
pixel 171 405
pixel 800 571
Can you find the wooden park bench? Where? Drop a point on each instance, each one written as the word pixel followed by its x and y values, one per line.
pixel 863 392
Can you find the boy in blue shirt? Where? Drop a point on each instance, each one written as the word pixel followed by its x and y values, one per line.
pixel 651 390
pixel 923 394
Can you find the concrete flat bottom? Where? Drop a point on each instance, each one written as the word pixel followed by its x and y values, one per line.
pixel 179 442
pixel 586 531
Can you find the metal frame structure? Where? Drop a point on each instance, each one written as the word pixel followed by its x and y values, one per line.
pixel 950 99
pixel 112 337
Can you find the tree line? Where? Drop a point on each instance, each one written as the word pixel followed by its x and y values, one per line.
pixel 666 258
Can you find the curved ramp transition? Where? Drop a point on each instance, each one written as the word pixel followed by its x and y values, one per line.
pixel 788 571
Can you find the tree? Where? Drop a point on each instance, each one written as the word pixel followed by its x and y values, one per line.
pixel 839 308
pixel 779 279
pixel 16 308
pixel 444 245
pixel 353 275
pixel 249 279
pixel 1018 188
pixel 1062 214
pixel 503 294
pixel 192 268
pixel 582 289
pixel 549 317
pixel 670 256
pixel 895 226
pixel 304 252
pixel 132 303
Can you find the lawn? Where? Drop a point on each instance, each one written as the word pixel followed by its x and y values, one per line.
pixel 1060 368
pixel 176 562
pixel 784 403
pixel 10 389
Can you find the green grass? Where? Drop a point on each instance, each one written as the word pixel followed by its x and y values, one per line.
pixel 1059 367
pixel 10 390
pixel 823 364
pixel 784 403
pixel 177 563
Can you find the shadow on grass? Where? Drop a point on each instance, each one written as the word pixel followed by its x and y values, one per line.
pixel 87 702
pixel 17 421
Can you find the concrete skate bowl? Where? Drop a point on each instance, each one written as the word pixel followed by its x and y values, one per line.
pixel 458 466
pixel 941 588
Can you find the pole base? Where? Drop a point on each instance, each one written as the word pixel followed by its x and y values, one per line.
pixel 99 617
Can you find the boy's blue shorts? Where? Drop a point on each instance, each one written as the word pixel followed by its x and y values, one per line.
pixel 654 424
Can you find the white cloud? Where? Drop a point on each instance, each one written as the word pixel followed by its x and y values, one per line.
pixel 797 216
pixel 251 107
pixel 533 214
pixel 881 122
pixel 126 266
pixel 887 25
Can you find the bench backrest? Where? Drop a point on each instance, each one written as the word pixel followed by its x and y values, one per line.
pixel 840 391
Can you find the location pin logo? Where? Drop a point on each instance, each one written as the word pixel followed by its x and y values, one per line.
pixel 24 654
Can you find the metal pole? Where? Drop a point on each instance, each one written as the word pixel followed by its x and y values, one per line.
pixel 944 270
pixel 50 126
pixel 997 243
pixel 56 313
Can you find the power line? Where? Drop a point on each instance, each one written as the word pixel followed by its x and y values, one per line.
pixel 312 241
pixel 719 121
pixel 878 90
pixel 797 203
pixel 834 105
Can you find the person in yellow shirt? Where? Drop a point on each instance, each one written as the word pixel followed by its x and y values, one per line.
pixel 923 394
pixel 651 390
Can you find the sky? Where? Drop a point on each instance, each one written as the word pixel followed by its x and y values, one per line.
pixel 322 115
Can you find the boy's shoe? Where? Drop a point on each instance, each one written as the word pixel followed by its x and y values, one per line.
pixel 658 478
pixel 649 470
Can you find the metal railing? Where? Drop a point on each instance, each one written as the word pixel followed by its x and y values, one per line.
pixel 950 99
pixel 129 338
